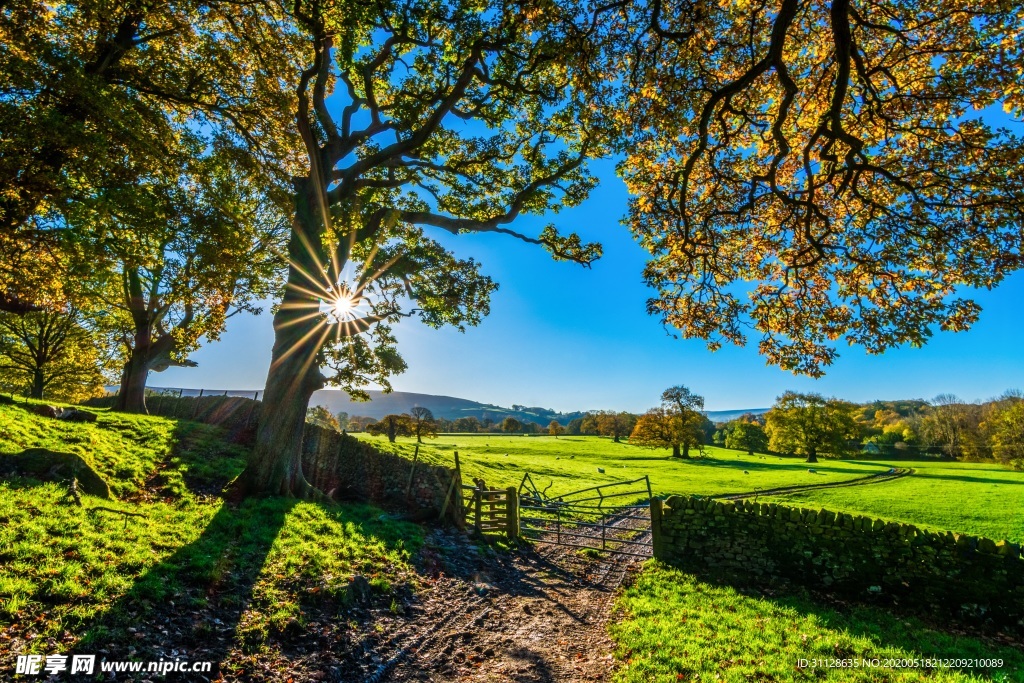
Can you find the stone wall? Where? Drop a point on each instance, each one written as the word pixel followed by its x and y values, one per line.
pixel 341 465
pixel 942 573
pixel 350 469
pixel 237 414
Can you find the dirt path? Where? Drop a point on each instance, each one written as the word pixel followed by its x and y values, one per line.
pixel 534 615
pixel 880 478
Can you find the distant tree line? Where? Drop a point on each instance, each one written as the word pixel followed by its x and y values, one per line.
pixel 811 424
pixel 808 425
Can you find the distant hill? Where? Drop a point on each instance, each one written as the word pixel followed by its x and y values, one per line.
pixel 448 407
pixel 451 408
pixel 726 415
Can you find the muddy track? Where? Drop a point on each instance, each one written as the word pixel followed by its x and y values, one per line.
pixel 879 478
pixel 533 615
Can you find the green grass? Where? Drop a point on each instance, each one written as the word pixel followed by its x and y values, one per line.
pixel 974 498
pixel 571 462
pixel 980 499
pixel 673 627
pixel 81 577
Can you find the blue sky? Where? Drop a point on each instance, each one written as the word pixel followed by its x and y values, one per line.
pixel 569 338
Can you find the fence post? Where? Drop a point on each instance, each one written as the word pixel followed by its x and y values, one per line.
pixel 195 406
pixel 656 510
pixel 412 471
pixel 512 512
pixel 478 499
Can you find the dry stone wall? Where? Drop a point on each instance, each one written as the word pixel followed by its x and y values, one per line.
pixel 970 578
pixel 338 464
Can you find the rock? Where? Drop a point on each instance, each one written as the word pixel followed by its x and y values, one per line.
pixel 47 465
pixel 46 411
pixel 359 590
pixel 73 415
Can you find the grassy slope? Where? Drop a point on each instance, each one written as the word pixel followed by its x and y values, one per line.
pixel 980 499
pixel 70 574
pixel 985 500
pixel 674 627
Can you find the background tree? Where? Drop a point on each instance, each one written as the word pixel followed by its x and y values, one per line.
pixel 554 429
pixel 689 408
pixel 745 436
pixel 574 428
pixel 510 424
pixel 1007 429
pixel 412 78
pixel 588 424
pixel 392 426
pixel 809 424
pixel 181 255
pixel 99 95
pixel 659 428
pixel 615 425
pixel 358 423
pixel 342 417
pixel 51 354
pixel 810 170
pixel 423 424
pixel 954 426
pixel 322 417
pixel 467 424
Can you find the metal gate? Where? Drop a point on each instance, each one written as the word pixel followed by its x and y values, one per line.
pixel 614 518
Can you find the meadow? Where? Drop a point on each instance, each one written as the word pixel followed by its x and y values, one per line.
pixel 234 584
pixel 975 498
pixel 671 626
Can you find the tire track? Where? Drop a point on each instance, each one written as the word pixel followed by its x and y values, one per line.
pixel 880 478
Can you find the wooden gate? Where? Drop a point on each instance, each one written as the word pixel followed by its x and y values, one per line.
pixel 492 510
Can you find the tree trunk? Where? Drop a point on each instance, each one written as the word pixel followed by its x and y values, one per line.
pixel 275 467
pixel 132 397
pixel 675 451
pixel 615 438
pixel 37 384
pixel 686 450
pixel 812 455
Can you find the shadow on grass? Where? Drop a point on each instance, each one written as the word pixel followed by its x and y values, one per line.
pixel 762 632
pixel 189 604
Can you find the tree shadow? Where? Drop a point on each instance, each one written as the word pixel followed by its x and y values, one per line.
pixel 188 605
pixel 837 627
pixel 979 480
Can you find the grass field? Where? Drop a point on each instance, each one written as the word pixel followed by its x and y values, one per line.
pixel 192 567
pixel 975 498
pixel 673 627
pixel 569 463
pixel 979 499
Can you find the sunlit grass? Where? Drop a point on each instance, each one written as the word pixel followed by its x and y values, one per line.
pixel 673 627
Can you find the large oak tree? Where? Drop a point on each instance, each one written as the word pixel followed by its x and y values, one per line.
pixel 455 117
pixel 809 424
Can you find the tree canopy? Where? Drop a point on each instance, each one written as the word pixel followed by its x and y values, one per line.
pixel 51 354
pixel 423 423
pixel 98 96
pixel 809 424
pixel 805 172
pixel 457 117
